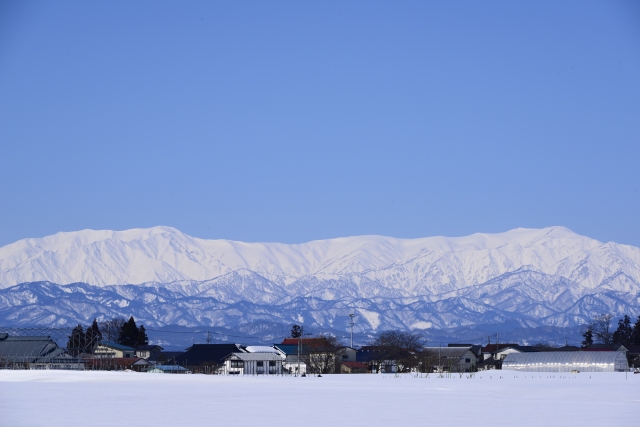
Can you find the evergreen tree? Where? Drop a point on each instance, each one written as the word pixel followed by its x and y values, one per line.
pixel 635 334
pixel 588 338
pixel 77 343
pixel 128 333
pixel 143 339
pixel 622 335
pixel 93 336
pixel 296 331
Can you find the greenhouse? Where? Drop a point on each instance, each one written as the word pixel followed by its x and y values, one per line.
pixel 567 361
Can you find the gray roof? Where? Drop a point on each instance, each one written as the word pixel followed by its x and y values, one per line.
pixel 448 351
pixel 255 356
pixel 28 349
pixel 116 346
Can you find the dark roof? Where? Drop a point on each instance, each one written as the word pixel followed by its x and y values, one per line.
pixel 633 349
pixel 205 354
pixel 309 342
pixel 475 348
pixel 368 353
pixel 447 352
pixel 28 349
pixel 563 348
pixel 148 347
pixel 168 355
pixel 598 347
pixel 115 345
pixel 287 348
pixel 490 361
pixel 490 348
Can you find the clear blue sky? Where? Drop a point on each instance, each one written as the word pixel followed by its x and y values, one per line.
pixel 294 121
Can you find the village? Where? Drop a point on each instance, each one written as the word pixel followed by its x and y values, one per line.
pixel 391 352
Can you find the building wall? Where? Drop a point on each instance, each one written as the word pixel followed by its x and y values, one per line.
pixel 250 367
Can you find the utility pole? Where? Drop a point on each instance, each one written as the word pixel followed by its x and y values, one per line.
pixel 208 337
pixel 351 323
pixel 299 345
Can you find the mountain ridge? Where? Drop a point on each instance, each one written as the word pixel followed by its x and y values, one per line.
pixel 548 277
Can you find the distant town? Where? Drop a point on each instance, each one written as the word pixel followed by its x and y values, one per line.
pixel 121 345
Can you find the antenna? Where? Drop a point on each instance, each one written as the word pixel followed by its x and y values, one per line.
pixel 351 324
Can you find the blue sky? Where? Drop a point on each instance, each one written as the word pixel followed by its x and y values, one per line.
pixel 294 121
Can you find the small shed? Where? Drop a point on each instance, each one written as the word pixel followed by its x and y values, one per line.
pixel 567 361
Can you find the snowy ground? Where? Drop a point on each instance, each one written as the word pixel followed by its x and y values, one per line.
pixel 59 398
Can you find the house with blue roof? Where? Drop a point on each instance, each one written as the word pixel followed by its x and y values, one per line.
pixel 110 349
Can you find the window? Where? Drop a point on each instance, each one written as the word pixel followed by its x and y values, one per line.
pixel 237 364
pixel 272 363
pixel 467 360
pixel 260 364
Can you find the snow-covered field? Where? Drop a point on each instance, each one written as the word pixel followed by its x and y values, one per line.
pixel 58 398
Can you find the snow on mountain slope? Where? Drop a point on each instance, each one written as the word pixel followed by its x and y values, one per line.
pixel 426 266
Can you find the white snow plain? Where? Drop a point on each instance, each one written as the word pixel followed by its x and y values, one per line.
pixel 59 398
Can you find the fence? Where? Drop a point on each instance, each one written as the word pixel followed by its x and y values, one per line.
pixel 45 348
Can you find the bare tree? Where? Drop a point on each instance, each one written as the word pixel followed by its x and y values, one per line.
pixel 601 327
pixel 111 328
pixel 427 361
pixel 399 347
pixel 320 354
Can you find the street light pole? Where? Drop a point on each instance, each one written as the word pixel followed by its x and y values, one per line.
pixel 351 323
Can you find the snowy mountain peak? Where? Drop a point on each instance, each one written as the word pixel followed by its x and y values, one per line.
pixel 423 266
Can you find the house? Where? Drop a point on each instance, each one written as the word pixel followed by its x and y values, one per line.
pixel 346 354
pixel 500 355
pixel 35 352
pixel 633 355
pixel 291 364
pixel 207 357
pixel 489 349
pixel 376 359
pixel 146 351
pixel 450 359
pixel 318 353
pixel 353 368
pixel 165 357
pixel 110 349
pixel 476 349
pixel 168 369
pixel 118 364
pixel 252 364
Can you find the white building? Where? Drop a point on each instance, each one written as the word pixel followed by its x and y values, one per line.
pixel 253 364
pixel 111 349
pixel 567 361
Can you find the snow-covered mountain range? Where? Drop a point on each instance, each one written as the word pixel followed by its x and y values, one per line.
pixel 533 277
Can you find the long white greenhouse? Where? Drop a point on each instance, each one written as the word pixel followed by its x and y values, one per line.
pixel 567 361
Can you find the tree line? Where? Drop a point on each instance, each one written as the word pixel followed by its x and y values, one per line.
pixel 601 331
pixel 118 330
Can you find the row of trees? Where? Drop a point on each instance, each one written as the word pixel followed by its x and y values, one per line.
pixel 118 330
pixel 600 331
